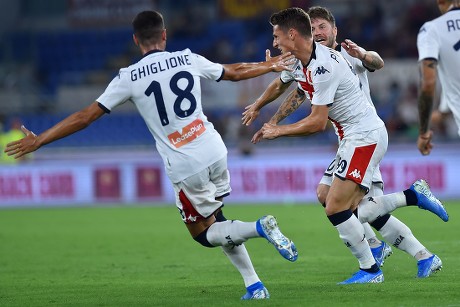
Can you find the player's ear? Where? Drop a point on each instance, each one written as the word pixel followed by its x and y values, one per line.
pixel 135 40
pixel 163 35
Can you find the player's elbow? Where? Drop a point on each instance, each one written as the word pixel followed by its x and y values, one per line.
pixel 316 127
pixel 320 124
pixel 233 73
pixel 320 127
pixel 233 77
pixel 427 86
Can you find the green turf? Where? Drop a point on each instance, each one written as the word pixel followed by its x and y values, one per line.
pixel 143 256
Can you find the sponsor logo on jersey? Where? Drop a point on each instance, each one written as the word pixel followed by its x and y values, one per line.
pixel 321 70
pixel 188 134
pixel 298 73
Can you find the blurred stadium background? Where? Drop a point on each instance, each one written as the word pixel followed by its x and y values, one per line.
pixel 57 56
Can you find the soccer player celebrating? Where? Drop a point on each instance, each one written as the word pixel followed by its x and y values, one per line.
pixel 438 44
pixel 324 31
pixel 165 87
pixel 327 79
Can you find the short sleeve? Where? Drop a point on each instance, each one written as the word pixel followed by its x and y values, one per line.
pixel 287 76
pixel 117 92
pixel 208 69
pixel 427 42
pixel 324 83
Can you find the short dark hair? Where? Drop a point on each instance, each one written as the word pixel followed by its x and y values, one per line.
pixel 321 12
pixel 292 17
pixel 148 26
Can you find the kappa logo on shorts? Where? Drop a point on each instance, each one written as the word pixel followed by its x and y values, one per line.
pixel 188 134
pixel 356 174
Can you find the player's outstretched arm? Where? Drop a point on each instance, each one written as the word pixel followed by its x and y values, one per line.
pixel 425 104
pixel 73 123
pixel 242 71
pixel 315 122
pixel 272 92
pixel 289 105
pixel 371 59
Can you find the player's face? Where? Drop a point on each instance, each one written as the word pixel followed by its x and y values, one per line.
pixel 281 40
pixel 323 32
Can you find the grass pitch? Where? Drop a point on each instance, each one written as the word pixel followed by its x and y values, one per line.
pixel 144 256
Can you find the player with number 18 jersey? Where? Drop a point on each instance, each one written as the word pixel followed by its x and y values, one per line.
pixel 165 87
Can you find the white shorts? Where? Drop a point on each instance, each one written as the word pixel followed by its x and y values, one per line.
pixel 196 195
pixel 377 180
pixel 358 158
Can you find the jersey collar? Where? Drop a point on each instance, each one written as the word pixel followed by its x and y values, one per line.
pixel 152 52
pixel 313 54
pixel 338 48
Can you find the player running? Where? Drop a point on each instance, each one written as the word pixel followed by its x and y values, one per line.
pixel 165 87
pixel 330 83
pixel 324 31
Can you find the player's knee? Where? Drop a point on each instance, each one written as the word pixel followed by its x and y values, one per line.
pixel 202 238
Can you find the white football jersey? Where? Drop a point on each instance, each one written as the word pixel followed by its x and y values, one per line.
pixel 360 69
pixel 330 80
pixel 165 87
pixel 440 39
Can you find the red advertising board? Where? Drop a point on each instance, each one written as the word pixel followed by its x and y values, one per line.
pixel 107 184
pixel 149 182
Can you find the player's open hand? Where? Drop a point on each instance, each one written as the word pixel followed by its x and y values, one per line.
pixel 424 143
pixel 353 49
pixel 250 114
pixel 257 137
pixel 281 62
pixel 23 146
pixel 270 131
pixel 267 55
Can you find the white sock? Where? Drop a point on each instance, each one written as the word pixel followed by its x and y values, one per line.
pixel 352 234
pixel 400 236
pixel 371 236
pixel 239 256
pixel 231 232
pixel 371 208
